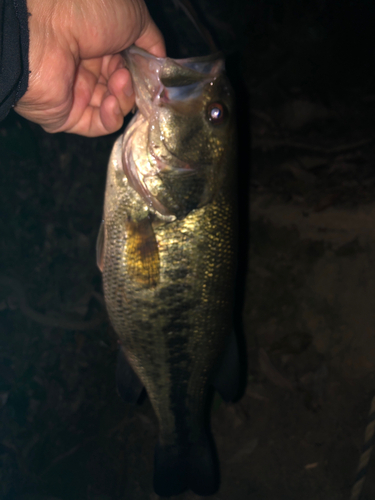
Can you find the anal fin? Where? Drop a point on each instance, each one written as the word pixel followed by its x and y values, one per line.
pixel 127 381
pixel 227 379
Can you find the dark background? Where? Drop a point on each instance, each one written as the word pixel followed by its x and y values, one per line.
pixel 303 72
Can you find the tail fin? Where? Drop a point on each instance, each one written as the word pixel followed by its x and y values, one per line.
pixel 204 475
pixel 170 470
pixel 194 467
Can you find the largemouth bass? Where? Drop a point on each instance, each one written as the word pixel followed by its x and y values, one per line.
pixel 166 249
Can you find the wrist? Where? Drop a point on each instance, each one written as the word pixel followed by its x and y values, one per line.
pixel 13 54
pixel 51 55
pixel 22 16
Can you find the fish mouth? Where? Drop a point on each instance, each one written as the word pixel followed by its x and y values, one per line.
pixel 158 81
pixel 204 65
pixel 179 78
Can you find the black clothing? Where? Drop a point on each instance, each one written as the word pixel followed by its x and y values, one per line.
pixel 14 53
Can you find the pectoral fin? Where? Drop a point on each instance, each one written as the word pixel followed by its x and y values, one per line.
pixel 100 247
pixel 142 253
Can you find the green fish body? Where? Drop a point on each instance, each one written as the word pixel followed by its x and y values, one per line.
pixel 166 249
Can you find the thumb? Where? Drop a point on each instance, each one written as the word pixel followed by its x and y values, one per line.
pixel 152 40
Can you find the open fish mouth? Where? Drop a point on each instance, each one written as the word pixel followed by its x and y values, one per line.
pixel 181 78
pixel 161 82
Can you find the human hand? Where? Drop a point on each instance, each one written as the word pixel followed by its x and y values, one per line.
pixel 78 82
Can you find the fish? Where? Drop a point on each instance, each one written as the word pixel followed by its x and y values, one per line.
pixel 167 252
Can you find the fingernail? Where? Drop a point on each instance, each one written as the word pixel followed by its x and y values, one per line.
pixel 128 90
pixel 121 65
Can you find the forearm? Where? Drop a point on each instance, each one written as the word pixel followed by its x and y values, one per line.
pixel 14 53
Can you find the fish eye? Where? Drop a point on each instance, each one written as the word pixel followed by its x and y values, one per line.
pixel 216 113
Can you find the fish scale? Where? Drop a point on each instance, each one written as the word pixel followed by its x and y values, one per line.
pixel 182 304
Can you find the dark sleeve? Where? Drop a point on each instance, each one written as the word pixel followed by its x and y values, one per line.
pixel 14 53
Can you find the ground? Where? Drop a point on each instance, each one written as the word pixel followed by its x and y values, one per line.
pixel 304 80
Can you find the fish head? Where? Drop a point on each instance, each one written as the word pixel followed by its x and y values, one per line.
pixel 179 146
